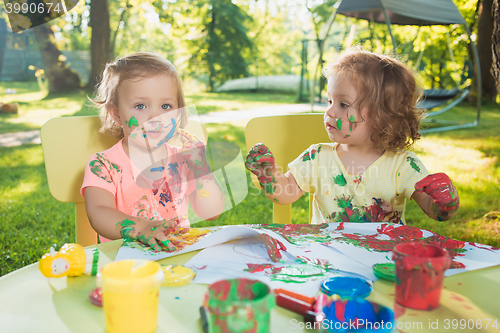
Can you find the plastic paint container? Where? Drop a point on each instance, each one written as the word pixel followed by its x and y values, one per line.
pixel 130 290
pixel 357 315
pixel 419 274
pixel 346 287
pixel 385 271
pixel 177 275
pixel 238 305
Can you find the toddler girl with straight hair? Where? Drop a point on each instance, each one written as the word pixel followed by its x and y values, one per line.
pixel 140 188
pixel 366 173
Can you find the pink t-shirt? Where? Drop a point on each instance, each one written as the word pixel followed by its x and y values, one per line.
pixel 113 171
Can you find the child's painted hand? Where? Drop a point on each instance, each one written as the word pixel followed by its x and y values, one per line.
pixel 445 196
pixel 260 161
pixel 152 236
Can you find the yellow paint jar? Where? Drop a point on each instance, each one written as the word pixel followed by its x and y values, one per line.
pixel 130 290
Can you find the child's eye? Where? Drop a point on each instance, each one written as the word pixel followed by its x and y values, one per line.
pixel 330 102
pixel 140 106
pixel 344 105
pixel 166 106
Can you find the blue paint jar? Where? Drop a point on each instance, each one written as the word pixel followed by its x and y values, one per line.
pixel 357 315
pixel 346 287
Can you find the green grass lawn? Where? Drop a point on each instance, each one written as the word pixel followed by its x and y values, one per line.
pixel 31 220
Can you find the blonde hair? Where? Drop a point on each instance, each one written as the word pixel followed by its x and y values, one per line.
pixel 134 66
pixel 388 90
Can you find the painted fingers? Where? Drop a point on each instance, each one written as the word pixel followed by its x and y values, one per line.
pixel 153 236
pixel 260 161
pixel 258 158
pixel 440 188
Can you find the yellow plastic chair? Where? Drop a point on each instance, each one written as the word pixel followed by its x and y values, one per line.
pixel 68 143
pixel 286 136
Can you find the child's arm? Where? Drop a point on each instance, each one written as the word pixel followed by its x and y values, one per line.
pixel 437 196
pixel 208 199
pixel 113 224
pixel 278 187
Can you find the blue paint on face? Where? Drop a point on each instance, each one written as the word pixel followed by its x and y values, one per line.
pixel 170 134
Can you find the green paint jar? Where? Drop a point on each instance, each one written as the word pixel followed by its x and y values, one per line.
pixel 238 305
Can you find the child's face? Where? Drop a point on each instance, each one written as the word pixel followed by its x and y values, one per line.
pixel 344 122
pixel 147 110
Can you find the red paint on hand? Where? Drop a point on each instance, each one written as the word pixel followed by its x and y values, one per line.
pixel 439 187
pixel 260 161
pixel 258 158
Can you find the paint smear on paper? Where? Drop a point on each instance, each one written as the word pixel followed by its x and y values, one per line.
pixel 299 233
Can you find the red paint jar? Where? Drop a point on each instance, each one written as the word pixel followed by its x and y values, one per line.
pixel 419 274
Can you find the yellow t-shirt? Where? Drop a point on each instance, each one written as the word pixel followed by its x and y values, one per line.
pixel 376 195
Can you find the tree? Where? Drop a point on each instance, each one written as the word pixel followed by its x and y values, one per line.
pixel 100 41
pixel 214 34
pixel 3 40
pixel 495 69
pixel 322 18
pixel 484 40
pixel 60 76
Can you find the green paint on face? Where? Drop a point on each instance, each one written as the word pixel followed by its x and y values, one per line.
pixel 339 123
pixel 132 122
pixel 413 163
pixel 340 180
pixel 352 123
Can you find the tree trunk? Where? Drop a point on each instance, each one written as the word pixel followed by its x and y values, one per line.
pixel 60 76
pixel 495 68
pixel 484 37
pixel 100 41
pixel 123 16
pixel 211 49
pixel 3 41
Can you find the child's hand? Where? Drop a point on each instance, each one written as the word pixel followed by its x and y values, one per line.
pixel 148 235
pixel 439 187
pixel 260 161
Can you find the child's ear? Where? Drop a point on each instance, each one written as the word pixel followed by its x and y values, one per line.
pixel 113 113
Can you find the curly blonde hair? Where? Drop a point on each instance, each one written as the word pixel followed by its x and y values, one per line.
pixel 137 65
pixel 388 90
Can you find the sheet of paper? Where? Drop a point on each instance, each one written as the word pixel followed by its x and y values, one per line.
pixel 248 258
pixel 348 247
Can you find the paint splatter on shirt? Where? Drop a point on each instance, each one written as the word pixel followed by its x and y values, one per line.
pixel 103 168
pixel 311 154
pixel 351 194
